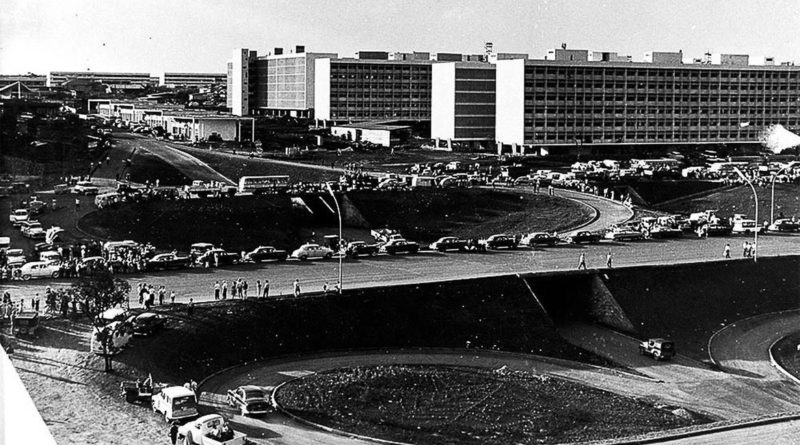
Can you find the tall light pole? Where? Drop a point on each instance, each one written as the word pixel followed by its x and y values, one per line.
pixel 772 199
pixel 338 213
pixel 755 199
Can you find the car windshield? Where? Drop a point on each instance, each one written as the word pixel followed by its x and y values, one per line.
pixel 253 394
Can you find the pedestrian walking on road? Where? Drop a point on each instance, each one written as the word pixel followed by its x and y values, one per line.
pixel 216 290
pixel 266 288
pixel 173 432
pixel 296 287
pixel 609 259
pixel 582 262
pixel 727 251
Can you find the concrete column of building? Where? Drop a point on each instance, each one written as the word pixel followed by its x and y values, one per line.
pixel 514 148
pixel 436 143
pixel 499 148
pixel 522 150
pixel 252 130
pixel 450 144
pixel 239 131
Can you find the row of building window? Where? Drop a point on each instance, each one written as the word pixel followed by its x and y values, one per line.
pixel 644 74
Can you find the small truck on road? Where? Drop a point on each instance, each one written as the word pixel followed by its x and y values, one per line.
pixel 658 348
pixel 211 429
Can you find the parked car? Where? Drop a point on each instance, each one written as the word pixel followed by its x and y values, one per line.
pixel 714 229
pixel 583 237
pixel 354 249
pixel 84 188
pixel 15 257
pixel 26 323
pixel 39 269
pixel 164 261
pixel 18 216
pixel 784 225
pixel 50 256
pixel 211 429
pixel 498 241
pixel 32 229
pixel 658 348
pixel 225 257
pixel 264 253
pixel 175 403
pixel 147 323
pixel 400 245
pixel 746 226
pixel 659 231
pixel 539 239
pixel 248 399
pixel 311 250
pixel 624 234
pixel 198 249
pixel 449 243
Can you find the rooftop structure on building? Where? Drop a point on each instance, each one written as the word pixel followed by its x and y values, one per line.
pixel 183 80
pixel 59 78
pixel 32 81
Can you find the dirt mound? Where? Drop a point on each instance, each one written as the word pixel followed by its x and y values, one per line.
pixel 426 215
pixel 247 221
pixel 444 405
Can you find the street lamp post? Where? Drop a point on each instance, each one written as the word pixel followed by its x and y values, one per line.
pixel 755 199
pixel 339 214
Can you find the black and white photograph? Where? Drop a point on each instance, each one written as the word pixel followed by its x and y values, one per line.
pixel 407 222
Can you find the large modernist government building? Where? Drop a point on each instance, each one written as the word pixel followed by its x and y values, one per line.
pixel 574 99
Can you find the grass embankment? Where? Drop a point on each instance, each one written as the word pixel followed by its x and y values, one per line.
pixel 247 221
pixel 443 405
pixel 740 200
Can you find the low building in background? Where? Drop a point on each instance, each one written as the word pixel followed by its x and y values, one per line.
pixel 384 134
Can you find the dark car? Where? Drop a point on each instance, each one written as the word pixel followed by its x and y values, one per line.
pixel 784 225
pixel 498 241
pixel 583 237
pixel 223 256
pixel 539 239
pixel 449 243
pixel 147 323
pixel 263 253
pixel 355 249
pixel 400 245
pixel 249 400
pixel 166 261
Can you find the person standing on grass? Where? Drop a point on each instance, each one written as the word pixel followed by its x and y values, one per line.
pixel 296 287
pixel 582 262
pixel 727 251
pixel 224 289
pixel 244 289
pixel 609 259
pixel 190 308
pixel 325 288
pixel 266 288
pixel 162 292
pixel 258 288
pixel 216 290
pixel 172 297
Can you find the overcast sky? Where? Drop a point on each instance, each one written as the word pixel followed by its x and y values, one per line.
pixel 198 36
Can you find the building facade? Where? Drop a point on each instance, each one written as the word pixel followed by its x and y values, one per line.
pixel 372 89
pixel 31 81
pixel 200 80
pixel 59 78
pixel 463 103
pixel 567 103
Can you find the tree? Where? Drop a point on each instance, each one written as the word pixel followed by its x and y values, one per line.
pixel 98 293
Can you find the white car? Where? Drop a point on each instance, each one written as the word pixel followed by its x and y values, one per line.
pixel 32 229
pixel 175 403
pixel 18 216
pixel 39 269
pixel 50 256
pixel 84 188
pixel 746 226
pixel 310 250
pixel 15 257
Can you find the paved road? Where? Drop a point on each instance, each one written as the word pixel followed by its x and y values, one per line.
pixel 690 383
pixel 187 164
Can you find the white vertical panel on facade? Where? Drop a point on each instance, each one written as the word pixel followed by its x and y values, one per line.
pixel 510 117
pixel 443 100
pixel 322 89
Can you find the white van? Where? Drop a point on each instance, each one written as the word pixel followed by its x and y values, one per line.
pixel 5 242
pixel 121 334
pixel 175 402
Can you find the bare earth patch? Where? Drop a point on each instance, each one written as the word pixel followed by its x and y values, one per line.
pixel 446 405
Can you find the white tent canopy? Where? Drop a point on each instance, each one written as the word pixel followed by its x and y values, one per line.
pixel 777 138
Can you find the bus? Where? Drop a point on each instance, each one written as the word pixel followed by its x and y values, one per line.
pixel 263 184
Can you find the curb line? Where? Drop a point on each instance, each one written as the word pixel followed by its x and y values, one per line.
pixel 777 365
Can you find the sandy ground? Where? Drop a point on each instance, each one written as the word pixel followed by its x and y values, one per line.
pixel 77 400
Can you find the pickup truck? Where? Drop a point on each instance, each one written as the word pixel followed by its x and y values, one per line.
pixel 658 348
pixel 355 249
pixel 449 243
pixel 248 399
pixel 211 429
pixel 385 235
